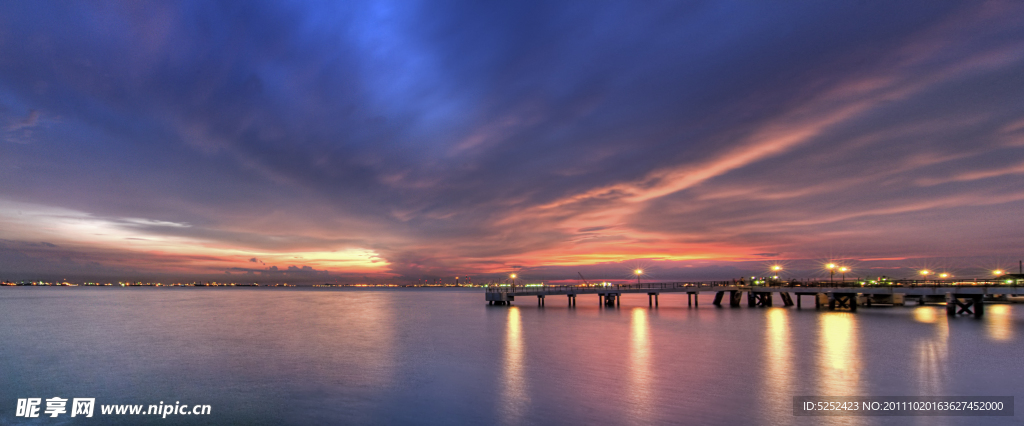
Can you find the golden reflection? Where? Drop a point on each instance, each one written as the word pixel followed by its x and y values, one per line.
pixel 932 352
pixel 839 366
pixel 640 367
pixel 515 397
pixel 999 323
pixel 926 315
pixel 778 366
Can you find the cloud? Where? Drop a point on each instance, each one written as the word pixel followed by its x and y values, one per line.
pixel 402 141
pixel 21 130
pixel 26 123
pixel 975 175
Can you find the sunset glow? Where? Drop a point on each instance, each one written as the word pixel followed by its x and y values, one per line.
pixel 372 143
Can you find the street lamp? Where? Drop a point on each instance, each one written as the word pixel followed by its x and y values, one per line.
pixel 513 276
pixel 943 275
pixel 638 272
pixel 844 270
pixel 776 269
pixel 831 272
pixel 997 272
pixel 924 273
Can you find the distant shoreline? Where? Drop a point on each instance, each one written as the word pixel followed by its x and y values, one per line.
pixel 224 285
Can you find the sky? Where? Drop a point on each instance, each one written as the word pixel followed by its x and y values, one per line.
pixel 397 141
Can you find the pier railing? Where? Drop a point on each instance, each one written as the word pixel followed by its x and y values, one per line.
pixel 530 288
pixel 527 289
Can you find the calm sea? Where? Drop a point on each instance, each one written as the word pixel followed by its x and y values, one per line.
pixel 328 356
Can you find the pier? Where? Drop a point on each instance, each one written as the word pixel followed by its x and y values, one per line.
pixel 960 297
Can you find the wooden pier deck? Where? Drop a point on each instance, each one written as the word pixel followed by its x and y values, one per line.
pixel 960 296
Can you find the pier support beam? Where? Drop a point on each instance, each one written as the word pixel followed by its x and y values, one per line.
pixel 820 299
pixel 734 298
pixel 572 300
pixel 843 301
pixel 759 298
pixel 540 300
pixel 787 300
pixel 610 300
pixel 970 304
pixel 655 299
pixel 693 298
pixel 800 296
pixel 718 298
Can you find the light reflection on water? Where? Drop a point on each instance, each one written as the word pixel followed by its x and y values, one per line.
pixel 306 356
pixel 514 393
pixel 1000 322
pixel 932 351
pixel 926 314
pixel 839 366
pixel 778 368
pixel 639 394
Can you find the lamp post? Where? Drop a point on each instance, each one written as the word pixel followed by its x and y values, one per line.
pixel 831 272
pixel 513 277
pixel 924 273
pixel 844 270
pixel 638 272
pixel 776 269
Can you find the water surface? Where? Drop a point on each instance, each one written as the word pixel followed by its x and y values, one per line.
pixel 428 356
